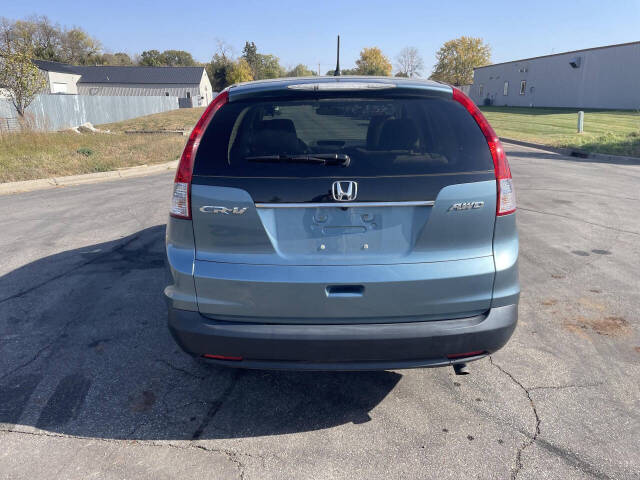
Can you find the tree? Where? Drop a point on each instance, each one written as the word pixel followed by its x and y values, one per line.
pixel 409 63
pixel 168 58
pixel 343 71
pixel 151 58
pixel 269 67
pixel 177 58
pixel 239 71
pixel 220 66
pixel 300 70
pixel 36 34
pixel 77 47
pixel 373 62
pixel 46 38
pixel 250 54
pixel 47 41
pixel 457 58
pixel 262 66
pixel 119 58
pixel 218 71
pixel 20 77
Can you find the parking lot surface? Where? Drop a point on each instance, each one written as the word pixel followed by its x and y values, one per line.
pixel 92 385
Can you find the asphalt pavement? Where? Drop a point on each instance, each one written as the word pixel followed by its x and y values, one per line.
pixel 93 386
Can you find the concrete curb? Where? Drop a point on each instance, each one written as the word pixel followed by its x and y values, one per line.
pixel 44 183
pixel 573 152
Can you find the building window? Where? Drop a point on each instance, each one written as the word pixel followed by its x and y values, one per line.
pixel 57 87
pixel 188 94
pixel 505 89
pixel 166 94
pixel 523 87
pixel 481 90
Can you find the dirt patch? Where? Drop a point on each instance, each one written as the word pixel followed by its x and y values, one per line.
pixel 549 301
pixel 607 326
pixel 637 349
pixel 611 326
pixel 592 304
pixel 578 329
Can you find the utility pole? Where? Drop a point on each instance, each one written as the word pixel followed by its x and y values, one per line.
pixel 319 69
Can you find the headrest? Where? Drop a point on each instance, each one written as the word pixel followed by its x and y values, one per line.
pixel 279 124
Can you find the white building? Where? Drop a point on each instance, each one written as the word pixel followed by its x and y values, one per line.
pixel 187 83
pixel 605 77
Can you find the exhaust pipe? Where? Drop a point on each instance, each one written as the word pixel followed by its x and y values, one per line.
pixel 461 369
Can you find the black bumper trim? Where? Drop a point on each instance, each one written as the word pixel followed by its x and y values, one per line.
pixel 343 347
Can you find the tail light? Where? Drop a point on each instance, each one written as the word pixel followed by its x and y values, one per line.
pixel 221 357
pixel 181 200
pixel 455 356
pixel 506 195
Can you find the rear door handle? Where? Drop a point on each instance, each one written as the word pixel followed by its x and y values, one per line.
pixel 343 291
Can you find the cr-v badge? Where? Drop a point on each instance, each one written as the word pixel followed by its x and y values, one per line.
pixel 223 210
pixel 466 205
pixel 344 191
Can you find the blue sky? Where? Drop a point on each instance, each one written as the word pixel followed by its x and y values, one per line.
pixel 304 31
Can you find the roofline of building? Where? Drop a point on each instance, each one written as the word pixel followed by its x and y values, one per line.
pixel 136 66
pixel 561 53
pixel 137 83
pixel 70 65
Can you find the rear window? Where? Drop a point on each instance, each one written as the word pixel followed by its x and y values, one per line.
pixel 380 137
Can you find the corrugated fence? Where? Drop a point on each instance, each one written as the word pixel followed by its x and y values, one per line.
pixel 57 112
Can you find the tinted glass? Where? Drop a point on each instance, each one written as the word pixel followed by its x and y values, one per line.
pixel 380 137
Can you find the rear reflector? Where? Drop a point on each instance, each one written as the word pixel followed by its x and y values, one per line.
pixel 453 356
pixel 221 357
pixel 506 195
pixel 180 202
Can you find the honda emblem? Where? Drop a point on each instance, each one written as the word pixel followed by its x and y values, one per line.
pixel 344 191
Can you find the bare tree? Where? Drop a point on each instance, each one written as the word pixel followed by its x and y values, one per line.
pixel 224 50
pixel 48 41
pixel 409 62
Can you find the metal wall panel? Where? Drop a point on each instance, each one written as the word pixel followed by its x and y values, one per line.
pixel 57 112
pixel 605 78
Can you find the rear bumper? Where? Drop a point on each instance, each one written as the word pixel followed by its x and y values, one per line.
pixel 343 347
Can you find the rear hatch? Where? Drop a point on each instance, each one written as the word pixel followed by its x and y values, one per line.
pixel 339 207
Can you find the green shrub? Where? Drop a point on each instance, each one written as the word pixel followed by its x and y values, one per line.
pixel 87 152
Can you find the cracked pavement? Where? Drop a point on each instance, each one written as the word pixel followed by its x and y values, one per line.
pixel 91 383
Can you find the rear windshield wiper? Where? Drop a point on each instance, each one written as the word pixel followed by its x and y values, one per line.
pixel 319 158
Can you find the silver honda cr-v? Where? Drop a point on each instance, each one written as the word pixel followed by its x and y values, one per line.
pixel 342 223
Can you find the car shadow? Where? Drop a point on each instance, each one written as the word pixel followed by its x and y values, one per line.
pixel 86 352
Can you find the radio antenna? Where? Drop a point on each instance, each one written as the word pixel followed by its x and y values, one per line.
pixel 337 72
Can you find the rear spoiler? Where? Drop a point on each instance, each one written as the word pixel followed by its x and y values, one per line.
pixel 298 88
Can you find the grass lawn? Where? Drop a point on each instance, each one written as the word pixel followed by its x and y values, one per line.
pixel 30 155
pixel 614 132
pixel 181 119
